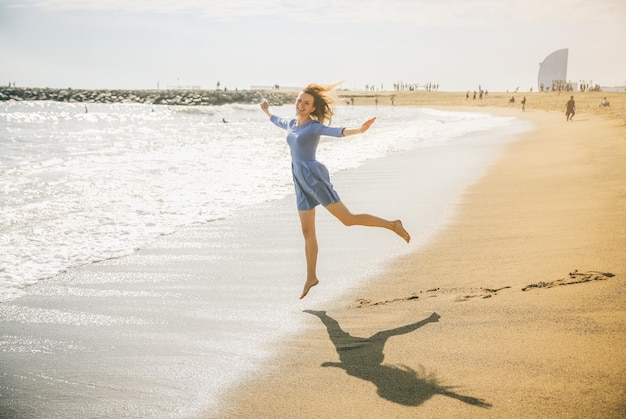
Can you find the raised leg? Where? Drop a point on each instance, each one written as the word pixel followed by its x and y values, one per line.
pixel 343 214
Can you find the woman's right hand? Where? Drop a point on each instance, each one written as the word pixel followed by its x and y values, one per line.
pixel 265 106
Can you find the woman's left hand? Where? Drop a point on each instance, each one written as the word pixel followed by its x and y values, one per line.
pixel 367 124
pixel 360 130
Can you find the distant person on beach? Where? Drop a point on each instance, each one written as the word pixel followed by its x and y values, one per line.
pixel 604 103
pixel 314 108
pixel 512 100
pixel 571 108
pixel 524 104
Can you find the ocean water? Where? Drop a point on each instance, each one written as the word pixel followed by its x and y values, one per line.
pixel 167 330
pixel 79 185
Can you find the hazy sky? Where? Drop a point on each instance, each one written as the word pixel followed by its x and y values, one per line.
pixel 459 44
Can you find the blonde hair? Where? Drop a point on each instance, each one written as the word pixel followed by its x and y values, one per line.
pixel 324 99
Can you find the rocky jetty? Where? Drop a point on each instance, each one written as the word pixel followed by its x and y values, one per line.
pixel 156 97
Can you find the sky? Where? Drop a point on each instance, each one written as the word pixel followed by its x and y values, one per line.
pixel 457 44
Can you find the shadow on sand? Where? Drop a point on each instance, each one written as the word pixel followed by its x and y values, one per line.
pixel 363 357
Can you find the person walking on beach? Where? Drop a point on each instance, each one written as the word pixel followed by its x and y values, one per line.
pixel 524 104
pixel 571 108
pixel 314 108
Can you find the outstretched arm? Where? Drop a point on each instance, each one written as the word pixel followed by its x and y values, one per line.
pixel 352 131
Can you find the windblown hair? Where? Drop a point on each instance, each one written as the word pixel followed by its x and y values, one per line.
pixel 324 98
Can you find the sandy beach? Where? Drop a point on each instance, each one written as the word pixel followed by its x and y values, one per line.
pixel 509 301
pixel 516 309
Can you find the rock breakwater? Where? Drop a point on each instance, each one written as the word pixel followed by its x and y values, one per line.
pixel 155 97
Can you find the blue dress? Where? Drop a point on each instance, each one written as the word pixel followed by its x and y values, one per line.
pixel 310 177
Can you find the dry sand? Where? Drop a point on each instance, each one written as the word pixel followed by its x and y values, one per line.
pixel 453 330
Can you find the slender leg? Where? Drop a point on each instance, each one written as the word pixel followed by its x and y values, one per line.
pixel 344 215
pixel 307 221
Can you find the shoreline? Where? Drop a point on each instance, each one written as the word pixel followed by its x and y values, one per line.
pixel 587 102
pixel 547 214
pixel 168 329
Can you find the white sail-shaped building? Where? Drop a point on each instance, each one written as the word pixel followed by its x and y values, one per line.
pixel 553 70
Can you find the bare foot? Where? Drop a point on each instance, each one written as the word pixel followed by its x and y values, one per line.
pixel 310 283
pixel 400 231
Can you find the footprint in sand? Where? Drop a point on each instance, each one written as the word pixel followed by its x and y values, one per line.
pixel 462 294
pixel 574 277
pixel 468 294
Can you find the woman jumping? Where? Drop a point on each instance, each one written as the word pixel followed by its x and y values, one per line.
pixel 311 178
